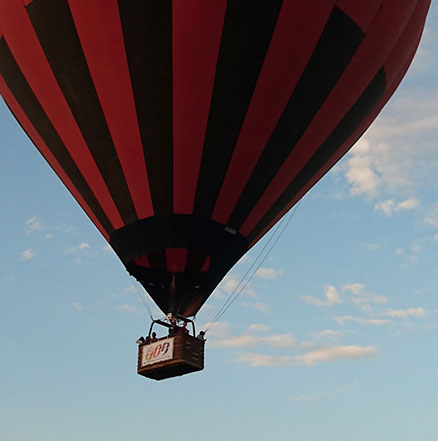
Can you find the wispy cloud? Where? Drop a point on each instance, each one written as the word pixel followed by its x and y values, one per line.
pixel 390 206
pixel 262 307
pixel 261 360
pixel 431 216
pixel 232 282
pixel 220 337
pixel 362 298
pixel 27 254
pixel 64 228
pixel 406 313
pixel 240 341
pixel 77 306
pixel 312 358
pixel 335 353
pixel 354 288
pixel 259 328
pixel 81 247
pixel 328 334
pixel 397 154
pixel 268 273
pixel 33 224
pixel 130 309
pixel 361 321
pixel 331 295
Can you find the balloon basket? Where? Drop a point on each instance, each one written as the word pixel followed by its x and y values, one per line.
pixel 169 357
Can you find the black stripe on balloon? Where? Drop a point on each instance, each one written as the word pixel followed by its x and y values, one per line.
pixel 200 236
pixel 157 260
pixel 351 121
pixel 147 29
pixel 247 32
pixel 55 29
pixel 337 45
pixel 19 87
pixel 195 261
pixel 177 231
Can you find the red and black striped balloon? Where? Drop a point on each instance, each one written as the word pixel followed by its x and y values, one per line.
pixel 185 129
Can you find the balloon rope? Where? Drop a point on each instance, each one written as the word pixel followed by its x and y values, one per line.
pixel 236 291
pixel 143 299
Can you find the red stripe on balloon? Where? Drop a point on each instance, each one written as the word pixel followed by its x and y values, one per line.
pixel 46 153
pixel 285 61
pixel 350 86
pixel 176 259
pixel 408 42
pixel 395 73
pixel 206 265
pixel 100 32
pixel 25 47
pixel 142 261
pixel 197 30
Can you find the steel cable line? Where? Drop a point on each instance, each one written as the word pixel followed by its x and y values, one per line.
pixel 242 285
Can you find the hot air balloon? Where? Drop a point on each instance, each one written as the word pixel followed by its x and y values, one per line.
pixel 186 129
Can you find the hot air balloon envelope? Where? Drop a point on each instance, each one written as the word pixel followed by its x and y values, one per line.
pixel 186 129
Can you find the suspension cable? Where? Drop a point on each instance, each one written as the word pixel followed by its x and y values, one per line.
pixel 242 285
pixel 229 299
pixel 143 299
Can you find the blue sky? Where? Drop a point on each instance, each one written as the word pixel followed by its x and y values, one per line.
pixel 334 338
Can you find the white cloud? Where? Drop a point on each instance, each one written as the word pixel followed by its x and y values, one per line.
pixel 326 355
pixel 406 313
pixel 33 224
pixel 334 354
pixel 431 216
pixel 268 273
pixel 332 297
pixel 261 360
pixel 27 254
pixel 362 321
pixel 407 204
pixel 371 247
pixel 369 298
pixel 280 340
pixel 362 298
pixel 397 155
pixel 218 331
pixel 222 338
pixel 107 249
pixel 259 328
pixel 355 288
pixel 328 333
pixel 238 341
pixel 130 309
pixel 229 283
pixel 390 206
pixel 416 247
pixel 77 306
pixel 82 246
pixel 360 174
pixel 262 307
pixel 64 228
pixel 232 283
